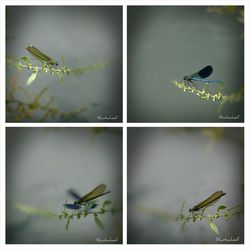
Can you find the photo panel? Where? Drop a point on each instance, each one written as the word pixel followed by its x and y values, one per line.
pixel 185 185
pixel 64 185
pixel 64 63
pixel 185 63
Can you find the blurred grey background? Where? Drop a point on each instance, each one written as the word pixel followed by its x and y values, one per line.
pixel 43 163
pixel 169 166
pixel 83 35
pixel 166 43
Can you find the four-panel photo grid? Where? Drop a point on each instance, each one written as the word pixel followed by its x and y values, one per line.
pixel 125 124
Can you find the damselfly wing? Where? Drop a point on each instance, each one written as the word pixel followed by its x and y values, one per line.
pixel 87 198
pixel 208 202
pixel 200 76
pixel 41 56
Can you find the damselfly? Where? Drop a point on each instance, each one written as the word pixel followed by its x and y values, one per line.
pixel 208 202
pixel 41 56
pixel 200 75
pixel 88 199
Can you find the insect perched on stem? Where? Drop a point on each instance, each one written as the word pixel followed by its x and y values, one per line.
pixel 41 56
pixel 200 76
pixel 87 199
pixel 208 202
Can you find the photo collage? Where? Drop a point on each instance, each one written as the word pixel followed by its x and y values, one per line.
pixel 123 124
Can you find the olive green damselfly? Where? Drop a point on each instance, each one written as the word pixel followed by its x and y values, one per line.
pixel 208 202
pixel 41 56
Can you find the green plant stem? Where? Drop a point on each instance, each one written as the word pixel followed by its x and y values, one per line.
pixel 206 95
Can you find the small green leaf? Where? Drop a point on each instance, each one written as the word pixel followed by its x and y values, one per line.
pixel 26 59
pixel 183 225
pixel 228 216
pixel 32 78
pixel 107 202
pixel 102 211
pixel 221 208
pixel 99 222
pixel 19 66
pixel 85 213
pixel 217 215
pixel 213 227
pixel 182 207
pixel 63 62
pixel 67 224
